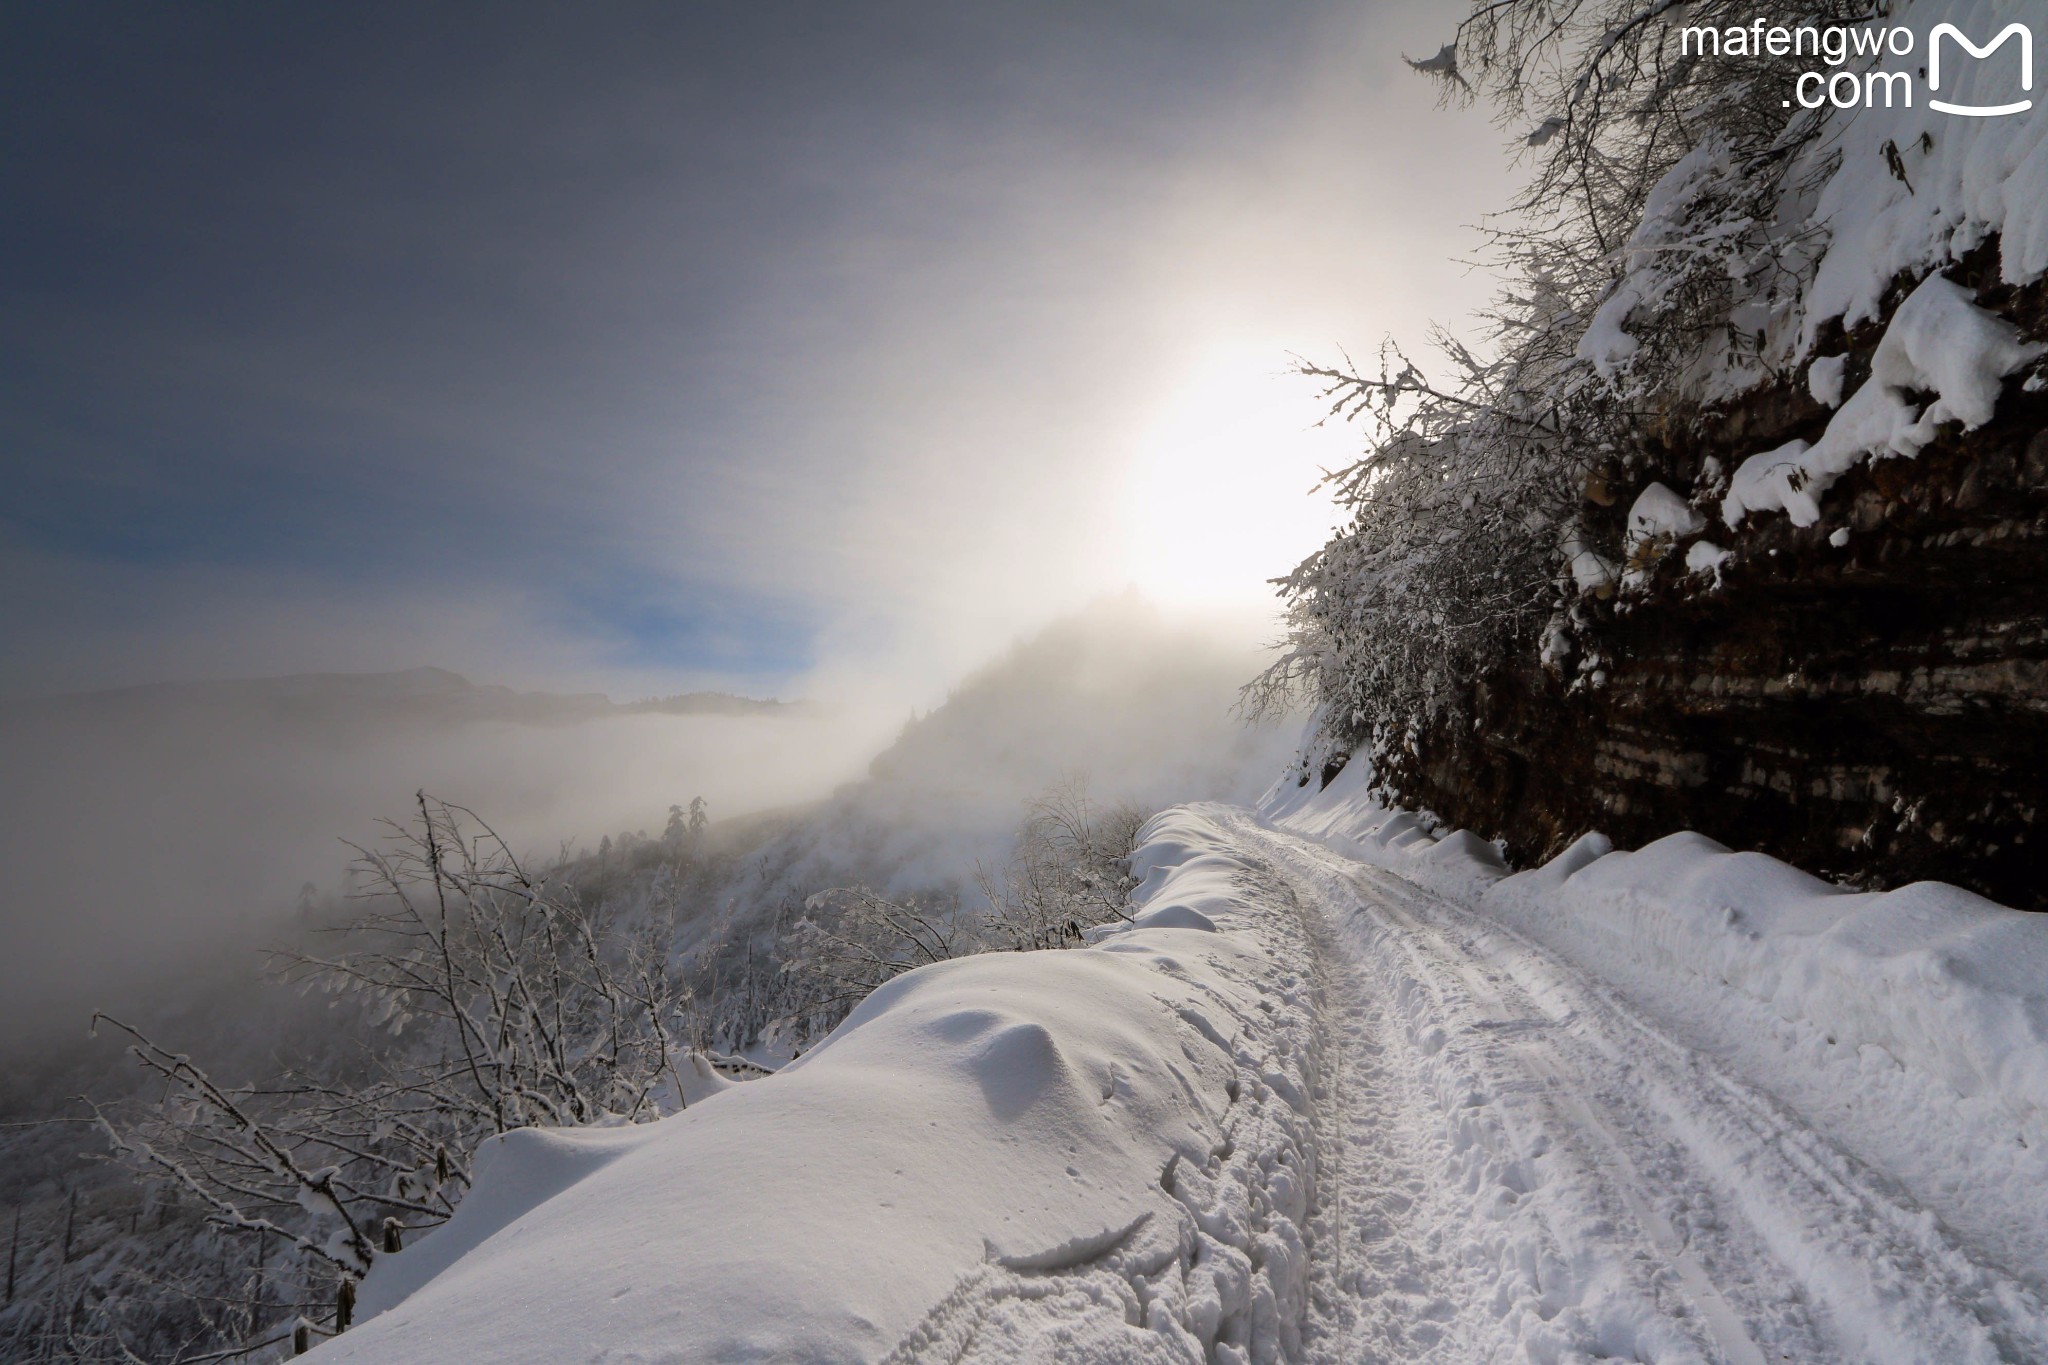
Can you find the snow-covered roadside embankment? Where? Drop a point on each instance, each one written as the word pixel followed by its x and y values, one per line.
pixel 1949 985
pixel 1108 1151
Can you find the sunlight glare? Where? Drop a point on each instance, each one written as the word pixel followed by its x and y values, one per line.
pixel 1222 492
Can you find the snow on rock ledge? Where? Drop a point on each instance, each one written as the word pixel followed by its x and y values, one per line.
pixel 1970 178
pixel 1106 1150
pixel 1938 341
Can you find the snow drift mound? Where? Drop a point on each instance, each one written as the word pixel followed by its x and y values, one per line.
pixel 1100 1152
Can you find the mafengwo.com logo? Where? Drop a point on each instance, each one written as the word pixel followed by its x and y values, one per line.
pixel 1868 66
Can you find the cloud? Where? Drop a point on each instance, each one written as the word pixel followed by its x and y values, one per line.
pixel 741 347
pixel 819 352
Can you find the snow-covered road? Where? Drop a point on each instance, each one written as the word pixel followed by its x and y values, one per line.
pixel 1341 1091
pixel 1518 1162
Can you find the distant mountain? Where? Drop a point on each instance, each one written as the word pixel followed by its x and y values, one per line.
pixel 429 694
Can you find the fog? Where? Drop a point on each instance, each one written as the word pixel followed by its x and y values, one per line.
pixel 158 839
pixel 158 835
pixel 818 353
pixel 1123 703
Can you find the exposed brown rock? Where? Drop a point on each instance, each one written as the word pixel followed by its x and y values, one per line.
pixel 1875 711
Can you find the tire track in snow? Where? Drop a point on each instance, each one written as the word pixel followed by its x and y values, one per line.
pixel 1563 1088
pixel 1666 1208
pixel 1377 1288
pixel 1525 1245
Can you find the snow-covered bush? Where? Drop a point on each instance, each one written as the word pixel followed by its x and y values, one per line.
pixel 851 940
pixel 482 997
pixel 1069 872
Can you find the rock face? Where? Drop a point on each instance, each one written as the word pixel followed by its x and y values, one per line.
pixel 1866 697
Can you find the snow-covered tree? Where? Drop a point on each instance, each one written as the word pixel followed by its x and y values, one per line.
pixel 491 997
pixel 1653 251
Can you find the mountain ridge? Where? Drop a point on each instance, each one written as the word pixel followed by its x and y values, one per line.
pixel 431 691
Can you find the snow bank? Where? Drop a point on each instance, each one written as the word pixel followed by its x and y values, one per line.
pixel 1349 818
pixel 1102 1152
pixel 1945 982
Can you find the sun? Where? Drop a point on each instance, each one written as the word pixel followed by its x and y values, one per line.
pixel 1221 494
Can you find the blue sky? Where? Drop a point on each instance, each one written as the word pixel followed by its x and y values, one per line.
pixel 668 345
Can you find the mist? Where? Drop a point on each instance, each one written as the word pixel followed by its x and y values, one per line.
pixel 162 834
pixel 803 354
pixel 159 839
pixel 1123 703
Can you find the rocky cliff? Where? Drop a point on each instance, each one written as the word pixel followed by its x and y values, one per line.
pixel 1866 696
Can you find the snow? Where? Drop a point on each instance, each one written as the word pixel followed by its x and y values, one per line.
pixel 1887 1050
pixel 1656 519
pixel 1969 179
pixel 514 1174
pixel 1938 341
pixel 1897 192
pixel 1908 191
pixel 1659 512
pixel 1703 556
pixel 1590 570
pixel 1102 1147
pixel 1131 701
pixel 1606 343
pixel 1824 380
pixel 1943 980
pixel 1347 1087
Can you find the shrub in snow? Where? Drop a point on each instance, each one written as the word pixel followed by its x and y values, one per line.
pixel 498 999
pixel 1067 873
